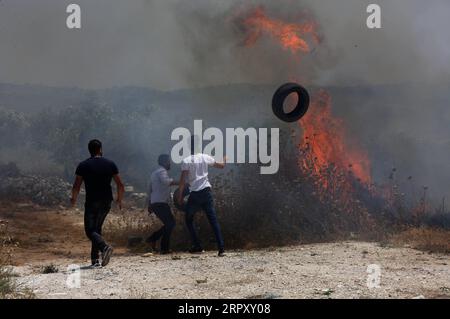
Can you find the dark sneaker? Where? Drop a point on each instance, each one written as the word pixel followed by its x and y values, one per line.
pixel 152 244
pixel 196 250
pixel 106 255
pixel 165 252
pixel 95 263
pixel 221 253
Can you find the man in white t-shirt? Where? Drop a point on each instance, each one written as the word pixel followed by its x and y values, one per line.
pixel 194 171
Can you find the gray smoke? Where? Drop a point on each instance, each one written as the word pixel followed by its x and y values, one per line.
pixel 173 44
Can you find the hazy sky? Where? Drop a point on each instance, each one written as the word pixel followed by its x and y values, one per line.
pixel 171 44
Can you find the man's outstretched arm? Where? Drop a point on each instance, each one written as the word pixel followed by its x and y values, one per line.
pixel 76 189
pixel 120 189
pixel 220 165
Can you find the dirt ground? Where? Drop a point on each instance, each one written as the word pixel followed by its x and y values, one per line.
pixel 335 270
pixel 330 270
pixel 41 234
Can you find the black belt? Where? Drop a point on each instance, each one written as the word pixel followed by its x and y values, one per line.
pixel 203 190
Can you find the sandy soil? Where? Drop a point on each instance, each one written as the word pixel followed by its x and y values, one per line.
pixel 334 270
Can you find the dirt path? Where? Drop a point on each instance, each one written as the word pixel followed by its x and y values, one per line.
pixel 335 270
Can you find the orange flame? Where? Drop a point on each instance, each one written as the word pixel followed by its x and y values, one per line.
pixel 291 36
pixel 325 137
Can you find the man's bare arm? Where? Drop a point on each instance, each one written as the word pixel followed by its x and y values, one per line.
pixel 221 165
pixel 120 189
pixel 76 189
pixel 183 178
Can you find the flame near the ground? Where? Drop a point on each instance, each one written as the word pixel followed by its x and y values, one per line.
pixel 325 135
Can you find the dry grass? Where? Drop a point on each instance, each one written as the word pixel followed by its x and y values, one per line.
pixel 8 286
pixel 49 269
pixel 422 238
pixel 120 226
pixel 6 281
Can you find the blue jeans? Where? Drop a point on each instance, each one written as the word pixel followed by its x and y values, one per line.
pixel 202 200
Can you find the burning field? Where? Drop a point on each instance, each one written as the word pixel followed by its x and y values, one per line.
pixel 358 181
pixel 326 188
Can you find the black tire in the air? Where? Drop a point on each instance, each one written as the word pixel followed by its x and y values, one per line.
pixel 282 93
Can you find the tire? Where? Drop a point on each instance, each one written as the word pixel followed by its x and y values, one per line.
pixel 300 109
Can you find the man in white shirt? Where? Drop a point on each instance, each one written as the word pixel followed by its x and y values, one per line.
pixel 159 194
pixel 194 171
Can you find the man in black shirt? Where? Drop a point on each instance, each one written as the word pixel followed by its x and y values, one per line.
pixel 97 173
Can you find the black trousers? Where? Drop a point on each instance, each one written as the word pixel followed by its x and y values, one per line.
pixel 94 217
pixel 164 213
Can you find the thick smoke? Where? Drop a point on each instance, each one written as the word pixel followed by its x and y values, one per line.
pixel 178 44
pixel 401 72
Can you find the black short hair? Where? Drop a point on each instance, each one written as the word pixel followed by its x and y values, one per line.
pixel 163 159
pixel 94 147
